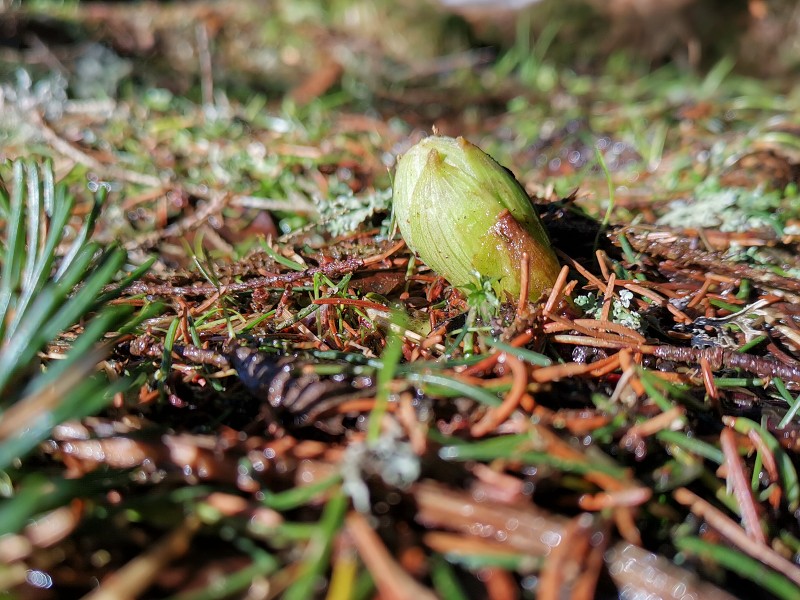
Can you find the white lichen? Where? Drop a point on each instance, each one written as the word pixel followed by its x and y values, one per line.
pixel 621 312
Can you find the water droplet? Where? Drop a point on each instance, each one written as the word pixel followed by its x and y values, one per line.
pixel 530 582
pixel 39 579
pixel 550 538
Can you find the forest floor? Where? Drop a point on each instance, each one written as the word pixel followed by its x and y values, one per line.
pixel 223 374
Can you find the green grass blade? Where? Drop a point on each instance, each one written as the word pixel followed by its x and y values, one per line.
pixel 318 551
pixel 741 564
pixel 445 581
pixel 456 386
pixel 66 390
pixel 121 285
pixel 786 469
pixel 83 235
pixel 38 493
pixel 49 188
pixel 50 314
pixel 523 354
pixel 86 398
pixel 14 251
pixel 43 266
pixel 34 217
pixel 298 496
pixel 79 266
pixel 85 300
pixel 392 354
pixel 22 347
pixel 226 586
pixel 5 199
pixel 73 395
pixel 691 444
pixel 111 318
pixel 52 296
pixel 518 448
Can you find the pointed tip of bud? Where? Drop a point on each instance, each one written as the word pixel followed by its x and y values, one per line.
pixel 435 158
pixel 467 146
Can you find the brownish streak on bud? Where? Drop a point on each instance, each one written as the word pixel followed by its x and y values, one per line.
pixel 517 240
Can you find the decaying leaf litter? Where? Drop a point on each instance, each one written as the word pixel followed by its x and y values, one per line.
pixel 306 409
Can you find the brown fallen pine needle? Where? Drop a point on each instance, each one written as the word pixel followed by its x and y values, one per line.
pixel 495 416
pixel 740 484
pixel 392 581
pixel 134 578
pixel 564 564
pixel 615 499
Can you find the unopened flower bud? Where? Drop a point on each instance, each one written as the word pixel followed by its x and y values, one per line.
pixel 463 214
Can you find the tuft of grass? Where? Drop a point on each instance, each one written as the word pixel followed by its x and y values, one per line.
pixel 51 285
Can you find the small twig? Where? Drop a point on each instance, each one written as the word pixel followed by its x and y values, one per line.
pixel 295 205
pixel 679 249
pixel 719 358
pixel 147 346
pixel 562 371
pixel 585 587
pixel 73 153
pixel 332 269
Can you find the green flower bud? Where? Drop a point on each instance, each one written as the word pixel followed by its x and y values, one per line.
pixel 464 213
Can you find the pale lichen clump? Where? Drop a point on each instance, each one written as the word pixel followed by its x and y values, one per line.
pixel 463 213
